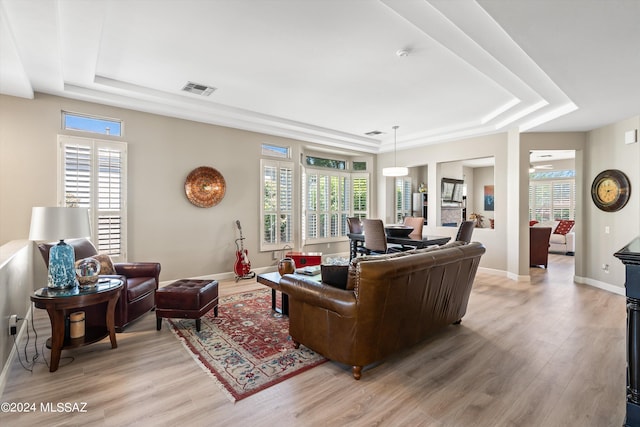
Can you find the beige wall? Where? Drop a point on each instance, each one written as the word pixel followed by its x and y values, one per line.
pixel 606 150
pixel 433 157
pixel 162 225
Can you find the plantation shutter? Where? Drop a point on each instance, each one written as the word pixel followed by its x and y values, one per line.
pixel 277 227
pixel 93 175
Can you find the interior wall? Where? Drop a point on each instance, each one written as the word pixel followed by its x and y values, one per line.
pixel 433 156
pixel 163 225
pixel 606 150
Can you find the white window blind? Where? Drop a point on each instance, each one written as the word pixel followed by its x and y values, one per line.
pixel 360 191
pixel 329 198
pixel 551 200
pixel 277 226
pixel 403 198
pixel 92 174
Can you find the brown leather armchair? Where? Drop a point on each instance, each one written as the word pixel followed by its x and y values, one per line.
pixel 539 245
pixel 141 281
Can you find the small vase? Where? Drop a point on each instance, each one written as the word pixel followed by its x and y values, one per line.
pixel 286 266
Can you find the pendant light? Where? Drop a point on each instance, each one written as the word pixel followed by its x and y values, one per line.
pixel 395 170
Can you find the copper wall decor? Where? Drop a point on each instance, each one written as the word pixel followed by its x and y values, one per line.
pixel 205 187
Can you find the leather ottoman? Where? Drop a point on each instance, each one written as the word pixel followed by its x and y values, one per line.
pixel 186 299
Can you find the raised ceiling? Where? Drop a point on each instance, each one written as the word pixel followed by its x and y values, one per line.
pixel 328 72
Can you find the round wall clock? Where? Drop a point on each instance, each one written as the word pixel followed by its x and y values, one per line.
pixel 610 190
pixel 205 187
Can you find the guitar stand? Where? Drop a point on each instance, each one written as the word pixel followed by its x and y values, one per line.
pixel 249 275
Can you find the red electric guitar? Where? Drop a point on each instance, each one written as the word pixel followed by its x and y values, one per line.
pixel 242 267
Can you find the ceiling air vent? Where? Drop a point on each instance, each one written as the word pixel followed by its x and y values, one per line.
pixel 373 133
pixel 198 89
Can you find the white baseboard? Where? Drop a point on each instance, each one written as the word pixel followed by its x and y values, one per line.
pixel 600 285
pixel 503 273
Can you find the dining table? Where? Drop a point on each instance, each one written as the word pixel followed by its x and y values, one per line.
pixel 414 241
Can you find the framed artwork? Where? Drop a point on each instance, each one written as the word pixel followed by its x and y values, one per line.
pixel 488 197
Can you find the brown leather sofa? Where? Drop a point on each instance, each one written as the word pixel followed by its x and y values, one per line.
pixel 391 302
pixel 141 281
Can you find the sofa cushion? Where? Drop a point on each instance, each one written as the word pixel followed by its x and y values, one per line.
pixel 558 239
pixel 564 226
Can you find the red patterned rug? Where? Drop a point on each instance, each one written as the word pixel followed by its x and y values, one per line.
pixel 246 348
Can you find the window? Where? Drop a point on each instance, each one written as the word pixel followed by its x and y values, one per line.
pixel 551 200
pixel 92 173
pixel 85 123
pixel 326 163
pixel 403 198
pixel 276 151
pixel 359 166
pixel 329 198
pixel 360 192
pixel 277 226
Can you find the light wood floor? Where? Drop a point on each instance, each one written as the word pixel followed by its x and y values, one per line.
pixel 545 353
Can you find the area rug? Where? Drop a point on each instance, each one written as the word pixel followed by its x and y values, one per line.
pixel 246 348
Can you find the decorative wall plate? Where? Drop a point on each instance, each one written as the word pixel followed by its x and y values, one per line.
pixel 205 187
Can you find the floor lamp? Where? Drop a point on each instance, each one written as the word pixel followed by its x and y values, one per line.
pixel 53 223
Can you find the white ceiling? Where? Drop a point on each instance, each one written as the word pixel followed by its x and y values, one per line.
pixel 326 71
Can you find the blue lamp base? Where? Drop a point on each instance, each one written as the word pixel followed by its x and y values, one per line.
pixel 62 272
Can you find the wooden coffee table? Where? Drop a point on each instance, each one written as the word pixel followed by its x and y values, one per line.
pixel 272 280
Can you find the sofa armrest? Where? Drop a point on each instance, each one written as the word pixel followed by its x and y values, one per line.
pixel 138 269
pixel 571 241
pixel 340 301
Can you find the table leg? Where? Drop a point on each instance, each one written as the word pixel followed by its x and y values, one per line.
pixel 111 321
pixel 56 318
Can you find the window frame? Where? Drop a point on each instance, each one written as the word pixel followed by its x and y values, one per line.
pixel 96 213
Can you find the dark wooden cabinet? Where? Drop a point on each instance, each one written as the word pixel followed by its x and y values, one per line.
pixel 630 257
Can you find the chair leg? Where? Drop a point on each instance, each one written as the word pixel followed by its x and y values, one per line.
pixel 357 372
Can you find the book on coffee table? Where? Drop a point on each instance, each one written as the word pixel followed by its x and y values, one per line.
pixel 312 270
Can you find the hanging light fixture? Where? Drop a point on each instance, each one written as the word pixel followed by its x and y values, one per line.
pixel 395 170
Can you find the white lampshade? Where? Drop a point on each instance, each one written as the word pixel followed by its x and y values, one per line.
pixel 395 171
pixel 54 223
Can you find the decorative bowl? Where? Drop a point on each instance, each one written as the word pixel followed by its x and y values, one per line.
pixel 398 230
pixel 286 266
pixel 87 271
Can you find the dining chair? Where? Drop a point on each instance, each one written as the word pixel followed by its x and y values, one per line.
pixel 375 239
pixel 416 222
pixel 355 227
pixel 465 231
pixel 354 224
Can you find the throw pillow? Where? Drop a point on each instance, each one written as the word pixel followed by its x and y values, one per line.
pixel 106 265
pixel 564 227
pixel 532 222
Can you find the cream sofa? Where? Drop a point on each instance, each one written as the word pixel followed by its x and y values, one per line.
pixel 562 243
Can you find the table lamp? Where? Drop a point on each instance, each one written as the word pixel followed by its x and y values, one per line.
pixel 53 223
